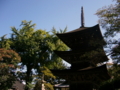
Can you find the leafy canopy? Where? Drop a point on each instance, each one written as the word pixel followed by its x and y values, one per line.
pixel 109 18
pixel 36 48
pixel 8 62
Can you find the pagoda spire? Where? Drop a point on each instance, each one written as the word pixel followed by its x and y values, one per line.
pixel 82 17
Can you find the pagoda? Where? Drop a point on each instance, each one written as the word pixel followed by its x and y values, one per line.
pixel 86 52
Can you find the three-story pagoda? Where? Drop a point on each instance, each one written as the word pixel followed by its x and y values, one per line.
pixel 86 51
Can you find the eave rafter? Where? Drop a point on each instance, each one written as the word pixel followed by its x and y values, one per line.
pixel 93 74
pixel 81 37
pixel 77 56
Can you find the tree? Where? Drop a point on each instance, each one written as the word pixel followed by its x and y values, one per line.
pixel 109 18
pixel 4 42
pixel 8 61
pixel 44 77
pixel 36 48
pixel 58 45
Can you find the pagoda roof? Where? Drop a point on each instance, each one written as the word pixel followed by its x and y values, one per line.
pixel 81 29
pixel 77 56
pixel 77 30
pixel 97 74
pixel 80 37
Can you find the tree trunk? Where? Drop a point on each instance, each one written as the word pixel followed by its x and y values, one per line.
pixel 29 68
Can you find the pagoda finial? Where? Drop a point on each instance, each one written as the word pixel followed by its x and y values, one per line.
pixel 82 17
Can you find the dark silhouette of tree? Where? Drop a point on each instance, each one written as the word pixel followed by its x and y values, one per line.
pixel 109 19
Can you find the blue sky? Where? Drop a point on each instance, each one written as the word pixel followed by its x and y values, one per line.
pixel 48 13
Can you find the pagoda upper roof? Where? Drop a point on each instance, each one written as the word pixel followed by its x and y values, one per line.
pixel 81 37
pixel 97 74
pixel 77 30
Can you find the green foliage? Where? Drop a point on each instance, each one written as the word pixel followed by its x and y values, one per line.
pixel 114 71
pixel 106 86
pixel 115 53
pixel 5 43
pixel 35 48
pixel 110 18
pixel 58 45
pixel 39 83
pixel 30 85
pixel 112 84
pixel 46 72
pixel 48 86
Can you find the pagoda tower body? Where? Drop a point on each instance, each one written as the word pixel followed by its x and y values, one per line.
pixel 86 51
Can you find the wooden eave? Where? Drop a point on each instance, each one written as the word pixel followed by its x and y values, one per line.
pixel 76 57
pixel 97 74
pixel 81 36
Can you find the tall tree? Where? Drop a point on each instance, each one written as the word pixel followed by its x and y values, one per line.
pixel 109 18
pixel 35 47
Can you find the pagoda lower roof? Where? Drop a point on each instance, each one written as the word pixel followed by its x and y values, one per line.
pixel 81 37
pixel 77 56
pixel 96 75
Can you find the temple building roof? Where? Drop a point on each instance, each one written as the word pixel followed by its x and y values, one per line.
pixel 97 74
pixel 83 38
pixel 76 30
pixel 77 56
